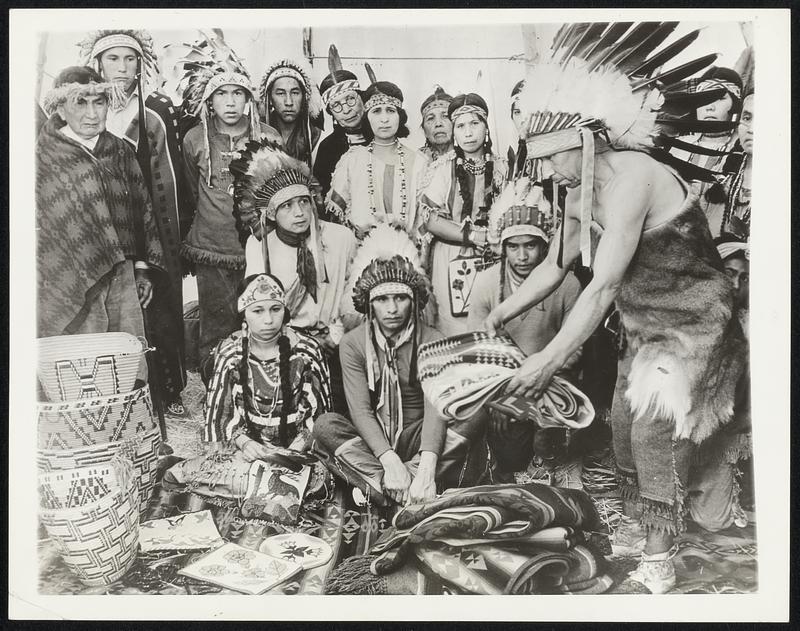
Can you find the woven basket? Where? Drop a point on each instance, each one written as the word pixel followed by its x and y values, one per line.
pixel 89 366
pixel 141 450
pixel 98 538
pixel 87 422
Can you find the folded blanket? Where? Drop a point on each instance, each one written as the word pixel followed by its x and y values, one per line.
pixel 484 512
pixel 462 373
pixel 495 569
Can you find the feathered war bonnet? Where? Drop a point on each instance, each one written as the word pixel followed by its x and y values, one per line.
pixel 97 42
pixel 208 64
pixel 387 262
pixel 605 78
pixel 268 175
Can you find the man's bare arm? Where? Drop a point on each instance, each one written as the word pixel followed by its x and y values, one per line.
pixel 627 204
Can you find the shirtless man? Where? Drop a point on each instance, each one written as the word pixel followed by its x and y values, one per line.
pixel 679 372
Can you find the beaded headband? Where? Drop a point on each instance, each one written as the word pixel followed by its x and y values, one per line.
pixel 435 105
pixel 349 85
pixel 469 109
pixel 711 84
pixel 261 288
pixel 385 289
pixel 376 100
pixel 226 78
pixel 112 41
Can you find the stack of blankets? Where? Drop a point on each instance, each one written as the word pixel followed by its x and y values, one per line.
pixel 498 539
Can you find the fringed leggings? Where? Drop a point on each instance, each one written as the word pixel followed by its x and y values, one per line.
pixel 668 478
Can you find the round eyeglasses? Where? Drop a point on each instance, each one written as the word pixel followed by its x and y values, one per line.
pixel 338 106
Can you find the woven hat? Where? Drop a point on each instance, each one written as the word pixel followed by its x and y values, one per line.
pixel 262 287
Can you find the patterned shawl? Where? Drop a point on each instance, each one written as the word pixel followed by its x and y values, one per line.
pixel 92 211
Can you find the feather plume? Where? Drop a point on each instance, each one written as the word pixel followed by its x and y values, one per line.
pixel 680 73
pixel 665 55
pixel 638 54
pixel 632 39
pixel 370 73
pixel 334 61
pixel 611 36
pixel 586 41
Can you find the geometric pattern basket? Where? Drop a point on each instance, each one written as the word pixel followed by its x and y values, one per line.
pixel 143 454
pixel 89 366
pixel 98 540
pixel 86 422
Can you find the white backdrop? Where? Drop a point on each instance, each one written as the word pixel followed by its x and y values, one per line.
pixel 459 58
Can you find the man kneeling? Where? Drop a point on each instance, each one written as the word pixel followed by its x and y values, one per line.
pixel 394 446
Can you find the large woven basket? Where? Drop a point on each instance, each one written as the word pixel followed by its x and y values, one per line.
pixel 87 422
pixel 96 532
pixel 89 366
pixel 141 450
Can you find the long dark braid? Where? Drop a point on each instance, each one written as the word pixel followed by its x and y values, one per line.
pixel 287 400
pixel 463 180
pixel 244 380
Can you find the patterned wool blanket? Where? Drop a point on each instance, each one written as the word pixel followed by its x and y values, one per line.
pixel 92 211
pixel 494 512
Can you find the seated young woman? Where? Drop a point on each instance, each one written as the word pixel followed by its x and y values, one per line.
pixel 269 384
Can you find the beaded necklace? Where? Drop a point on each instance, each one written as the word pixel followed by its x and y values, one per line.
pixel 403 183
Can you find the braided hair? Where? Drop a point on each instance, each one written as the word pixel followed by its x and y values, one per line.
pixel 461 172
pixel 284 357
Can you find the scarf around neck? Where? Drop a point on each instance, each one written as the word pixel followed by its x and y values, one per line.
pixel 306 266
pixel 390 403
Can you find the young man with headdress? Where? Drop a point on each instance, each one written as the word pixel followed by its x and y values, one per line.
pixel 731 215
pixel 394 446
pixel 454 210
pixel 217 90
pixel 293 107
pixel 137 111
pixel 378 183
pixel 641 230
pixel 522 225
pixel 436 124
pixel 341 95
pixel 94 222
pixel 272 194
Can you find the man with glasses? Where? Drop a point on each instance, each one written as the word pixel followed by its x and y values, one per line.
pixel 342 98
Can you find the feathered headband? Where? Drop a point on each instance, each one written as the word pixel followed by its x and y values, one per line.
pixel 299 72
pixel 606 78
pixel 387 262
pixel 341 80
pixel 98 42
pixel 208 64
pixel 269 175
pixel 521 209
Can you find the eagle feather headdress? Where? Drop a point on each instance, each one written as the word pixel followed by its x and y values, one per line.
pixel 608 79
pixel 299 71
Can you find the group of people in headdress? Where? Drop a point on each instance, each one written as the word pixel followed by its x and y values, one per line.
pixel 323 265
